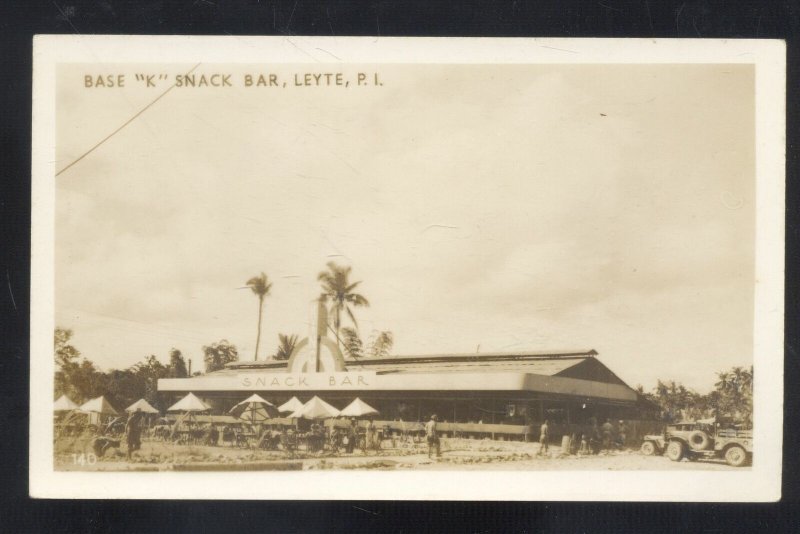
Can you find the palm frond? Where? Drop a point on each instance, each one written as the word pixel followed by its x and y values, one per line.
pixel 357 300
pixel 352 317
pixel 352 286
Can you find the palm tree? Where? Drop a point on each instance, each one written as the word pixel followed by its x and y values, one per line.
pixel 724 381
pixel 286 345
pixel 747 380
pixel 352 344
pixel 381 344
pixel 336 286
pixel 260 285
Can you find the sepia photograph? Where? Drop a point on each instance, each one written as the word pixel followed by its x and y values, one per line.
pixel 355 259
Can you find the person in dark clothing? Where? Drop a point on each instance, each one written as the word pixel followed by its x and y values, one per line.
pixel 133 432
pixel 352 436
pixel 595 440
pixel 622 434
pixel 608 435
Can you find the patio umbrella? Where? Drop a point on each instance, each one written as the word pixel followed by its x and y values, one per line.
pixel 254 409
pixel 64 404
pixel 99 405
pixel 292 405
pixel 190 403
pixel 358 408
pixel 142 406
pixel 316 408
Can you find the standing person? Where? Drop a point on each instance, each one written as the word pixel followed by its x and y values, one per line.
pixel 352 436
pixel 594 437
pixel 433 437
pixel 608 432
pixel 133 432
pixel 369 441
pixel 622 432
pixel 584 445
pixel 574 443
pixel 544 436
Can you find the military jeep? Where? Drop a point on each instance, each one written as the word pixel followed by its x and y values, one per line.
pixel 701 439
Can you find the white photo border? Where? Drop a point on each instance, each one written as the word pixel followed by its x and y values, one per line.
pixel 761 483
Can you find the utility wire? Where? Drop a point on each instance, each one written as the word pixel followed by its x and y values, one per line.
pixel 112 134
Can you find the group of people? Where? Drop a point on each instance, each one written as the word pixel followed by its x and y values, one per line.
pixel 593 440
pixel 351 437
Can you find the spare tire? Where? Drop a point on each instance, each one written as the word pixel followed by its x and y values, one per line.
pixel 699 440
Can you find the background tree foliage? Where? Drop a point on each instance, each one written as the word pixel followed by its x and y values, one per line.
pixel 216 355
pixel 380 344
pixel 260 285
pixel 286 345
pixel 177 365
pixel 337 288
pixel 351 343
pixel 80 380
pixel 731 400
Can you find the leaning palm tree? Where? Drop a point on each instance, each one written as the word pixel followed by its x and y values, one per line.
pixel 260 285
pixel 337 288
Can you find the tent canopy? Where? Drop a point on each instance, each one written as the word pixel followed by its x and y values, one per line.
pixel 292 405
pixel 316 408
pixel 190 403
pixel 142 406
pixel 255 398
pixel 358 408
pixel 254 409
pixel 99 405
pixel 64 404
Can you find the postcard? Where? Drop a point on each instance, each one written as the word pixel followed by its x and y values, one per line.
pixel 407 268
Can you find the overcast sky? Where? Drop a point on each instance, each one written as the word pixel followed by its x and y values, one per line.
pixel 542 208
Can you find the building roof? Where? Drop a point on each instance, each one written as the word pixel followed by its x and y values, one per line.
pixel 546 362
pixel 576 364
pixel 568 373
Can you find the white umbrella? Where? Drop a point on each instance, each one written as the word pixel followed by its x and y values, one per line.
pixel 190 403
pixel 99 405
pixel 358 408
pixel 316 408
pixel 142 406
pixel 64 404
pixel 254 409
pixel 292 405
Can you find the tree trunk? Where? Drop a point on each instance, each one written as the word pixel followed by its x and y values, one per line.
pixel 258 335
pixel 338 309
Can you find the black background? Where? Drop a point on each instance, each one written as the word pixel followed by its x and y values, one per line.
pixel 19 21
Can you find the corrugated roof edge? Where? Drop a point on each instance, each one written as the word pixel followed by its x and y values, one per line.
pixel 484 356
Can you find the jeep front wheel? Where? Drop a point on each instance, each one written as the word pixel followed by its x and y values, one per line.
pixel 736 456
pixel 648 448
pixel 675 451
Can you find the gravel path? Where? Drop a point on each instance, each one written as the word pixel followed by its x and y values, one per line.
pixel 457 454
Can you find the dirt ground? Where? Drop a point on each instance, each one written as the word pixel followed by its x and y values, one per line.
pixel 457 454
